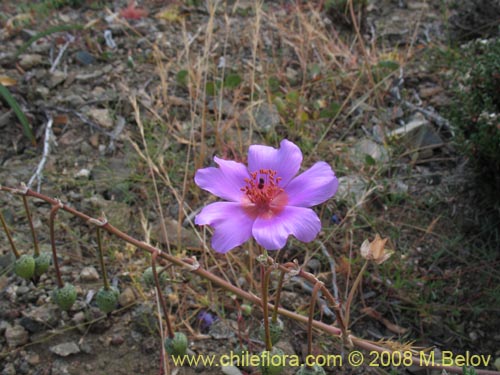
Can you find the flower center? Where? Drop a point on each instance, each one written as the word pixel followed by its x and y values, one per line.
pixel 263 196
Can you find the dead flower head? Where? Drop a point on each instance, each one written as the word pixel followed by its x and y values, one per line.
pixel 376 250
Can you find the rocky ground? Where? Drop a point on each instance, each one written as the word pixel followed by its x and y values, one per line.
pixel 291 70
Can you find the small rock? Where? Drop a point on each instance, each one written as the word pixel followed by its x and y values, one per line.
pixel 89 275
pixel 368 147
pixel 84 58
pixel 59 368
pixel 30 61
pixel 231 370
pixel 33 359
pixel 86 348
pixel 224 107
pixel 9 369
pixel 101 116
pixel 117 340
pixel 16 336
pixel 221 329
pixel 40 318
pixel 351 188
pixel 65 349
pixel 266 117
pixel 420 136
pixel 314 265
pixel 83 173
pixel 127 297
pixel 188 238
pixel 56 79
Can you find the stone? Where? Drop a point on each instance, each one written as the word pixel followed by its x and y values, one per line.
pixel 221 329
pixel 89 274
pixel 9 369
pixel 31 60
pixel 351 188
pixel 368 147
pixel 65 349
pixel 83 173
pixel 59 368
pixel 187 237
pixel 101 116
pixel 40 318
pixel 16 336
pixel 419 137
pixel 224 107
pixel 266 117
pixel 56 78
pixel 84 58
pixel 117 340
pixel 33 359
pixel 231 370
pixel 127 297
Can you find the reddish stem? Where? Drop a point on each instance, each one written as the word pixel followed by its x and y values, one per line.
pixel 170 331
pixel 11 241
pixel 56 205
pixel 32 227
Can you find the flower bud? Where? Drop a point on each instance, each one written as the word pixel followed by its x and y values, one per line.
pixel 65 297
pixel 275 328
pixel 25 266
pixel 272 362
pixel 176 346
pixel 107 299
pixel 42 263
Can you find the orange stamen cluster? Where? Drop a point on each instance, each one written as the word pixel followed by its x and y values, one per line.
pixel 263 190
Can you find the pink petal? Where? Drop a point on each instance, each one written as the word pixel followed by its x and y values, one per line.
pixel 226 181
pixel 231 224
pixel 273 233
pixel 312 187
pixel 285 161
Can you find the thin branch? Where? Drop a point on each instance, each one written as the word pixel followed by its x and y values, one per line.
pixel 46 151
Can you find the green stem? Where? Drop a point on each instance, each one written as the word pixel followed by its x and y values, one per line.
pixel 100 254
pixel 352 292
pixel 7 232
pixel 32 227
pixel 55 207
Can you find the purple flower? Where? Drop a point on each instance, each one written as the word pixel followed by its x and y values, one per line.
pixel 265 200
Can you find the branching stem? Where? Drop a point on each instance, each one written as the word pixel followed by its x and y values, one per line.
pixel 191 264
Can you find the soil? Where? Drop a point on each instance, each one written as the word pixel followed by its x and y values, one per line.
pixel 93 165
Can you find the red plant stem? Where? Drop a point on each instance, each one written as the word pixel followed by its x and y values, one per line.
pixel 170 331
pixel 32 227
pixel 194 267
pixel 314 295
pixel 56 205
pixel 7 232
pixel 265 273
pixel 278 296
pixel 105 281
